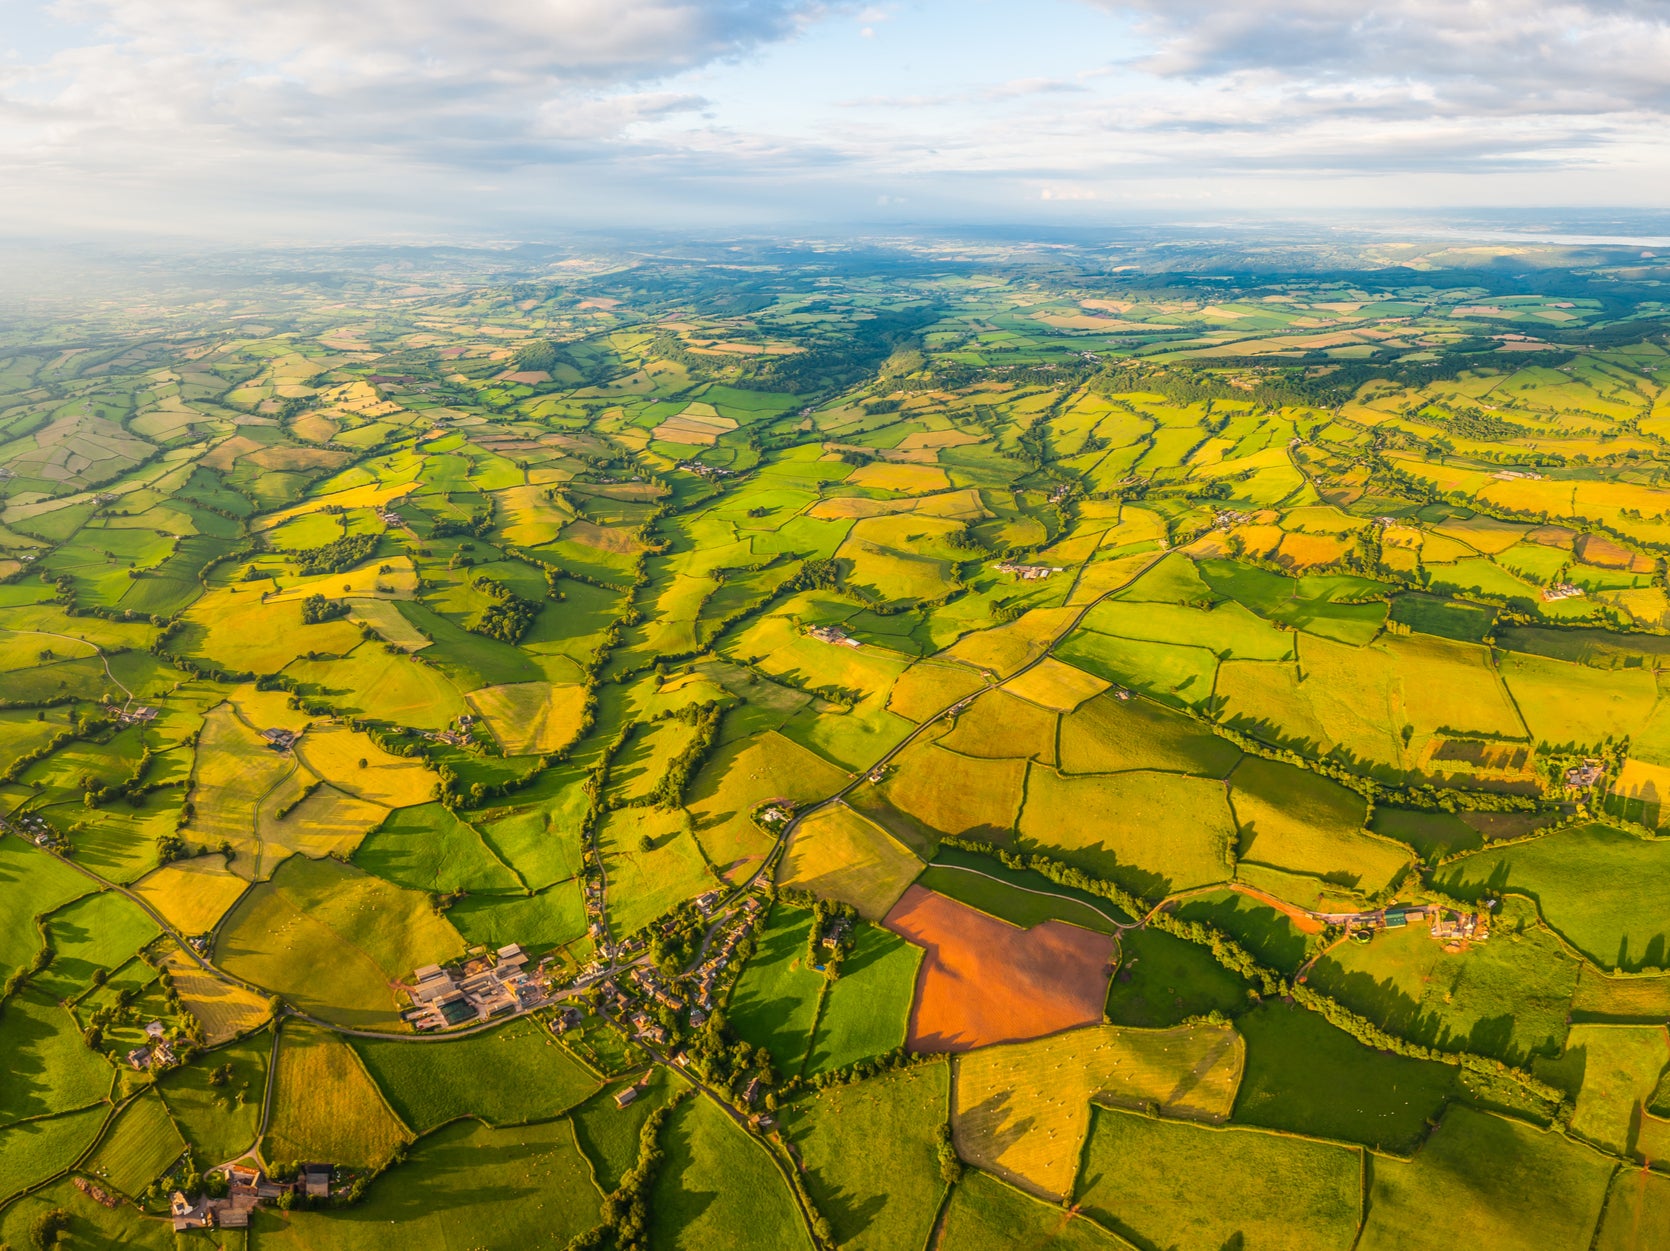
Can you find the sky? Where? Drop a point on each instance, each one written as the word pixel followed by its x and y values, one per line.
pixel 296 120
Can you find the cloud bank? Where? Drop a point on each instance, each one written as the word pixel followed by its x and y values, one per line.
pixel 359 116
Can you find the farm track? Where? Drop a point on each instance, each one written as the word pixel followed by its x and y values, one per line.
pixel 97 651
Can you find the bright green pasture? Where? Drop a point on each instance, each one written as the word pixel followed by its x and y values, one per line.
pixel 1605 890
pixel 717 1187
pixel 886 1194
pixel 35 1150
pixel 1491 1182
pixel 775 1001
pixel 866 1009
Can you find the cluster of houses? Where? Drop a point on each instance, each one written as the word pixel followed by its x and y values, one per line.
pixel 1229 517
pixel 718 959
pixel 705 471
pixel 483 989
pixel 391 518
pixel 1027 573
pixel 1508 475
pixel 833 635
pixel 247 1189
pixel 154 1052
pixel 1556 591
pixel 30 826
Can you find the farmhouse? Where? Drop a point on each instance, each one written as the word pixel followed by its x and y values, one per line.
pixel 833 635
pixel 1561 590
pixel 279 739
pixel 1027 573
pixel 1584 776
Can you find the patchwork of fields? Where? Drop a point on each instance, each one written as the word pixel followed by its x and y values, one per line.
pixel 836 752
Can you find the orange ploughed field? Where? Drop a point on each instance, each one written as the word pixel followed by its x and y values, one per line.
pixel 985 981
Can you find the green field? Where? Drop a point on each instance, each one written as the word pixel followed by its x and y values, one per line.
pixel 1176 1184
pixel 1306 1077
pixel 509 1076
pixel 36 1150
pixel 366 609
pixel 718 1188
pixel 1608 892
pixel 527 1186
pixel 886 1194
pixel 1497 1182
pixel 220 1118
pixel 775 1002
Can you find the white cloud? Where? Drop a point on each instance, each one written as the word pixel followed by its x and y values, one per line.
pixel 383 111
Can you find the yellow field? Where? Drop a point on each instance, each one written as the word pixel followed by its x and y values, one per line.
pixel 1000 725
pixel 383 617
pixel 529 517
pixel 235 772
pixel 224 1010
pixel 191 894
pixel 1622 995
pixel 356 497
pixel 1005 648
pixel 334 753
pixel 928 687
pixel 531 717
pixel 1621 1068
pixel 837 854
pixel 1022 1110
pixel 956 794
pixel 1056 686
pixel 326 822
pixel 1646 782
pixel 325 1106
pixel 244 635
pixel 268 709
pixel 914 479
pixel 366 582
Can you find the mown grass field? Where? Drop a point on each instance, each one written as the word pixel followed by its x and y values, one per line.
pixel 139 1145
pixel 1022 1110
pixel 325 1106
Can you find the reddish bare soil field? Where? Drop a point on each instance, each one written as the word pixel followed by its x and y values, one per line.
pixel 985 981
